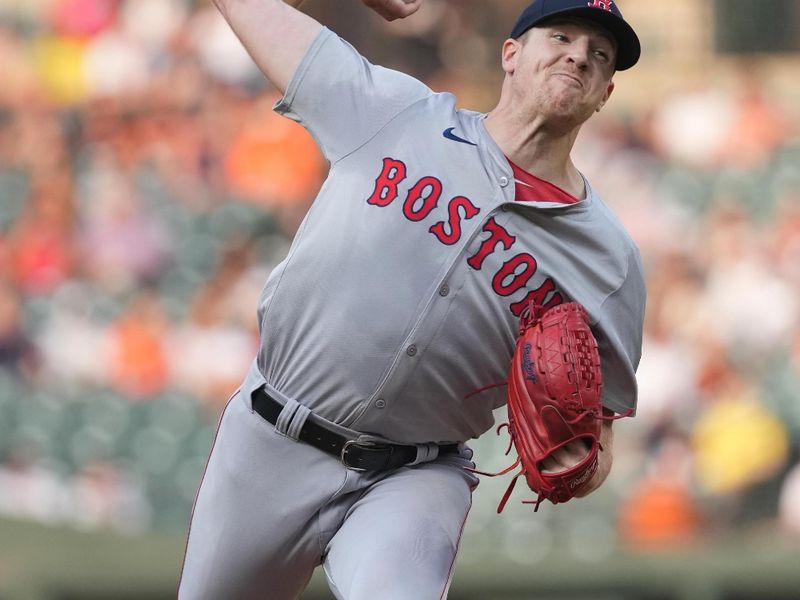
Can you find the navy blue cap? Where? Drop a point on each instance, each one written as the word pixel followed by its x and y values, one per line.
pixel 602 12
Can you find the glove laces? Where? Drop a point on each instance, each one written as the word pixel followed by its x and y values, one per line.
pixel 591 413
pixel 509 468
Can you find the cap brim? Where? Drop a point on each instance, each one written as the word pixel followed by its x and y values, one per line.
pixel 629 48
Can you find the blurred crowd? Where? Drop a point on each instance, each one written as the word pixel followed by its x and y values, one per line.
pixel 147 189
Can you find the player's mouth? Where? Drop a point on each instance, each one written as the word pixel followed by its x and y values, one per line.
pixel 569 78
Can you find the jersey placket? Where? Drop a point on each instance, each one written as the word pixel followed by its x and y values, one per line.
pixel 440 298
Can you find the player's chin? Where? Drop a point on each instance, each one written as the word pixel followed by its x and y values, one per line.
pixel 568 111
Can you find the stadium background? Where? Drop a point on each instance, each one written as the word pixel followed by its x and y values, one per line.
pixel 146 190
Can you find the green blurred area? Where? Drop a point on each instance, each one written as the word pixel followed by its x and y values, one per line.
pixel 38 562
pixel 93 458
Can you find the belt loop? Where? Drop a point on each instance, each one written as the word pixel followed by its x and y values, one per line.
pixel 425 453
pixel 285 418
pixel 297 422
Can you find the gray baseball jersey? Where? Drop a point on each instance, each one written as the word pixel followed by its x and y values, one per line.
pixel 401 292
pixel 396 305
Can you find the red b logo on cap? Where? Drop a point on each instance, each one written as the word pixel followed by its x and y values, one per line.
pixel 604 4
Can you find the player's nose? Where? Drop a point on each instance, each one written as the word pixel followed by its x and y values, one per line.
pixel 578 53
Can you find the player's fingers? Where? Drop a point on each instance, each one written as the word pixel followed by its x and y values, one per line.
pixel 394 9
pixel 558 460
pixel 575 451
pixel 551 465
pixel 565 457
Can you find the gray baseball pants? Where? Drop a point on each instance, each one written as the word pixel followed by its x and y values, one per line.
pixel 270 510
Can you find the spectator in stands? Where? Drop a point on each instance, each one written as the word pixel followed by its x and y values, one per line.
pixel 18 353
pixel 139 367
pixel 123 244
pixel 41 244
pixel 213 323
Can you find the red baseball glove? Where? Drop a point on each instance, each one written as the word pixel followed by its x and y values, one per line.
pixel 554 398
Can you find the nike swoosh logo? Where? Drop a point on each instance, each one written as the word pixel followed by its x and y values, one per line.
pixel 448 133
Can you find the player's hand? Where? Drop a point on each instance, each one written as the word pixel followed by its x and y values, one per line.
pixel 573 453
pixel 394 9
pixel 565 457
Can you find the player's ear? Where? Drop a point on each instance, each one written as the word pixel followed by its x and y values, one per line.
pixel 606 96
pixel 509 54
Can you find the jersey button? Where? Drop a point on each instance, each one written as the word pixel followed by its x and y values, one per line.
pixel 444 290
pixel 411 350
pixel 380 403
pixel 503 181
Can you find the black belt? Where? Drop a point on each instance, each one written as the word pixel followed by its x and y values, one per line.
pixel 355 455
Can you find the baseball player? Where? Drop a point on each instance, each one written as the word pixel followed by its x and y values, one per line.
pixel 397 306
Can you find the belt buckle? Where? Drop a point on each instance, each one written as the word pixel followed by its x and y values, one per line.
pixel 343 453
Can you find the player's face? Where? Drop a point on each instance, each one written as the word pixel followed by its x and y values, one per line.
pixel 562 69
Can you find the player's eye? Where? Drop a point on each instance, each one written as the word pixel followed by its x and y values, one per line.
pixel 601 54
pixel 561 37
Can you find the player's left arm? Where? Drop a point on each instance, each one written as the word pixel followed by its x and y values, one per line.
pixel 624 310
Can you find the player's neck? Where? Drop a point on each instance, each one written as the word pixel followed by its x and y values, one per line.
pixel 536 149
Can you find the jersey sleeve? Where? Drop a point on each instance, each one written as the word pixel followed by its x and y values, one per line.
pixel 342 99
pixel 620 338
